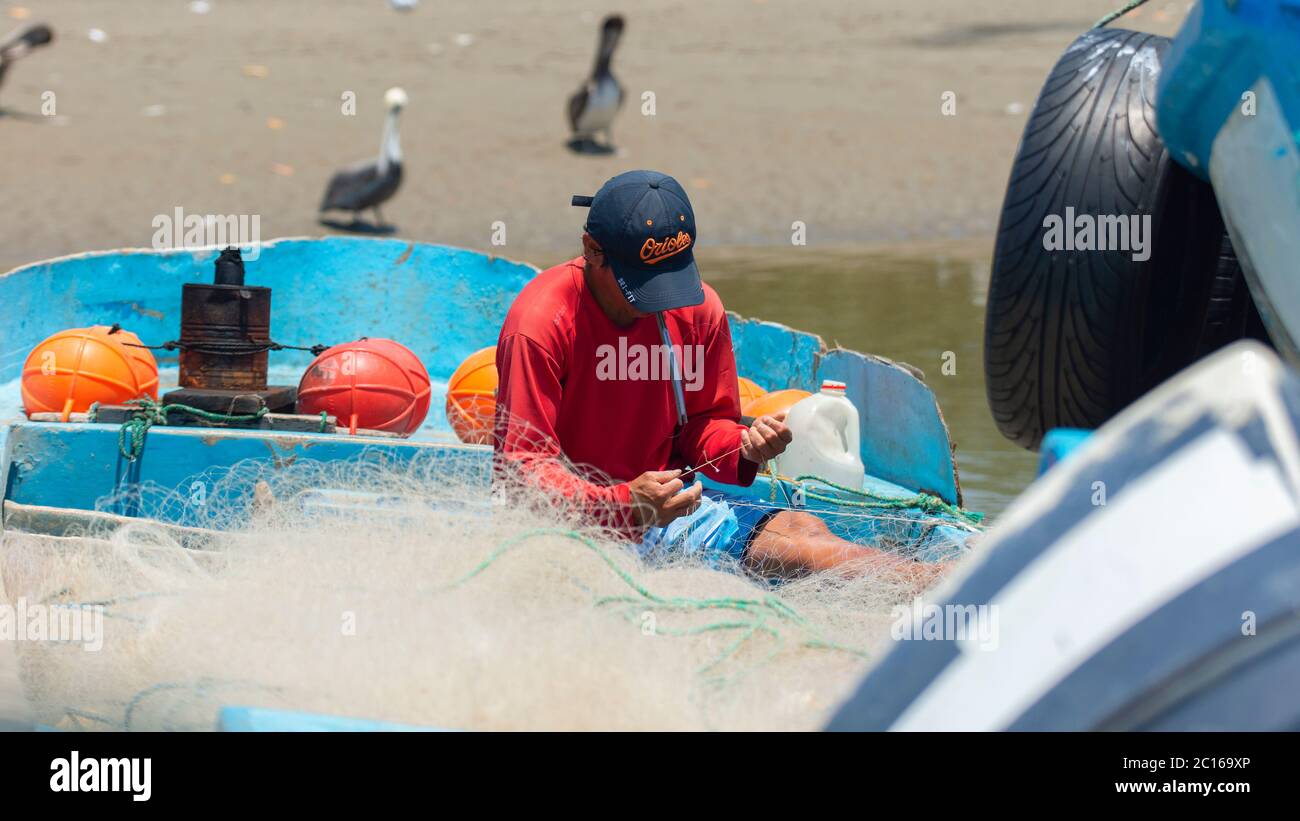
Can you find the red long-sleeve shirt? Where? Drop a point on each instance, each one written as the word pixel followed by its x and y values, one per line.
pixel 572 382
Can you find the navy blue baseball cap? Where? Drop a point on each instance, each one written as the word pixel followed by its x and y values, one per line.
pixel 644 222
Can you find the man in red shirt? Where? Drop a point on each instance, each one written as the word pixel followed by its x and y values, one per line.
pixel 620 361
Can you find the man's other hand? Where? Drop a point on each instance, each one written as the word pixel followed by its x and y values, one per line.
pixel 655 498
pixel 765 439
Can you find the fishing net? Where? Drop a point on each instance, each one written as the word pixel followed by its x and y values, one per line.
pixel 417 590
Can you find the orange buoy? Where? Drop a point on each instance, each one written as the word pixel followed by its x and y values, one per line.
pixel 749 391
pixel 376 384
pixel 472 397
pixel 774 402
pixel 73 369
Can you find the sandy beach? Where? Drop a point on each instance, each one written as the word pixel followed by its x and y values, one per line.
pixel 769 111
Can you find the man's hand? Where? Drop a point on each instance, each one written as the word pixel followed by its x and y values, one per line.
pixel 765 439
pixel 655 498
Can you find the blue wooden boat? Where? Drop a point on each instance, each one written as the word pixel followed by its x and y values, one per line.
pixel 1228 108
pixel 1150 580
pixel 443 303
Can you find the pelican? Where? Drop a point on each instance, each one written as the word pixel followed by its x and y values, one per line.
pixel 370 183
pixel 21 41
pixel 592 108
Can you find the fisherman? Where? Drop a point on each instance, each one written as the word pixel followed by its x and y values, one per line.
pixel 630 430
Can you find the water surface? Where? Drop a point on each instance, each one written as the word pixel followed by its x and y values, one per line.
pixel 923 307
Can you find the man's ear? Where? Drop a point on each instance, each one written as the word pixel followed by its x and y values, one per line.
pixel 592 253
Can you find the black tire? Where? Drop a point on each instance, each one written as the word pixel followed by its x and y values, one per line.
pixel 1072 337
pixel 1232 314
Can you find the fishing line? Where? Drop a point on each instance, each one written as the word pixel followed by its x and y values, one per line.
pixel 714 460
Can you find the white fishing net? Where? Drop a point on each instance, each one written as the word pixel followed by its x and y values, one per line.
pixel 405 591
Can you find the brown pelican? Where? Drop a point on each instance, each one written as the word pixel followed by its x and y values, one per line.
pixel 370 183
pixel 592 108
pixel 21 41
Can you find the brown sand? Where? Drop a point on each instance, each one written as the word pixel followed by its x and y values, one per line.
pixel 769 111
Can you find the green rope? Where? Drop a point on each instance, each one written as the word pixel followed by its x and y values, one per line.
pixel 921 501
pixel 130 438
pixel 759 610
pixel 1118 13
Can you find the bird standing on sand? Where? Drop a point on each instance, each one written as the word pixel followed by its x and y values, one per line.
pixel 20 42
pixel 592 108
pixel 371 183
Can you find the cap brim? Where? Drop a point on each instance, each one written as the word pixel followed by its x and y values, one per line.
pixel 673 283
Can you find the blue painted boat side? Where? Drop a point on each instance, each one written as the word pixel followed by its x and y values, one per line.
pixel 79 466
pixel 1059 443
pixel 1229 109
pixel 261 720
pixel 443 303
pixel 774 356
pixel 1221 52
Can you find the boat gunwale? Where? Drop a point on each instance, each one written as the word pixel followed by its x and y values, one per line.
pixel 208 249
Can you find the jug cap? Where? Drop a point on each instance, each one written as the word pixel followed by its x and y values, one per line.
pixel 833 385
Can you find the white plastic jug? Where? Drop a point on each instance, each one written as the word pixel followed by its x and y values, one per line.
pixel 825 428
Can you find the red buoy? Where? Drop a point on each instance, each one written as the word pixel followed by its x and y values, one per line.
pixel 375 384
